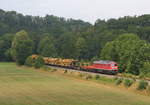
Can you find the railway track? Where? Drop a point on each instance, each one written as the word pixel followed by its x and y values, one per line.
pixel 81 71
pixel 100 74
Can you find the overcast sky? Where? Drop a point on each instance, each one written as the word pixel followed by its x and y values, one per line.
pixel 87 10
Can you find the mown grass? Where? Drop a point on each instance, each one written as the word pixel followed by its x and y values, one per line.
pixel 27 86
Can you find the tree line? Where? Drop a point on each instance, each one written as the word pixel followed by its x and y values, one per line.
pixel 124 40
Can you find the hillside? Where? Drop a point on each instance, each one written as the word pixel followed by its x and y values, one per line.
pixel 22 86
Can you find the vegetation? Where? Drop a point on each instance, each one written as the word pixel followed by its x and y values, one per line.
pixel 39 62
pixel 46 47
pixel 26 86
pixel 65 71
pixel 97 77
pixel 145 70
pixel 128 82
pixel 142 85
pixel 119 81
pixel 124 40
pixel 88 76
pixel 21 47
pixel 30 62
pixel 36 62
pixel 129 51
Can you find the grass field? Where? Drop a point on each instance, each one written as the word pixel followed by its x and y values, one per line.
pixel 24 86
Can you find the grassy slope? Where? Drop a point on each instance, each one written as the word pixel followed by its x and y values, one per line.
pixel 21 86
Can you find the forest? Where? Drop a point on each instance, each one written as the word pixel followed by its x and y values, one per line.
pixel 124 40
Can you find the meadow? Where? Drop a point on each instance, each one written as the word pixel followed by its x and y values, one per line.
pixel 27 86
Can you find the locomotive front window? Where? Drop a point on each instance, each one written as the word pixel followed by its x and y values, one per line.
pixel 114 64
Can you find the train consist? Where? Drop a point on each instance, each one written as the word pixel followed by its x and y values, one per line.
pixel 102 66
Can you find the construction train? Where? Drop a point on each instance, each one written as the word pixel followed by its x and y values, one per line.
pixel 102 66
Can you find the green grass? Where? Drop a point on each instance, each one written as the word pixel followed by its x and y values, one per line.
pixel 24 86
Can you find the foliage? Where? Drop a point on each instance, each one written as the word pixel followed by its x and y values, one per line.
pixel 81 75
pixel 5 45
pixel 148 88
pixel 88 76
pixel 46 47
pixel 39 62
pixel 145 70
pixel 119 81
pixel 129 51
pixel 142 85
pixel 21 47
pixel 66 47
pixel 53 70
pixel 65 71
pixel 97 77
pixel 81 48
pixel 30 61
pixel 128 82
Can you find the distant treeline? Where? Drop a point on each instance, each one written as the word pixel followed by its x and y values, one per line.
pixel 124 40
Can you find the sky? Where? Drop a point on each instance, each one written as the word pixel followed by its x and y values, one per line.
pixel 87 10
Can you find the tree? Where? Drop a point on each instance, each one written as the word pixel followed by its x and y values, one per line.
pixel 81 48
pixel 109 52
pixel 21 47
pixel 129 51
pixel 66 46
pixel 39 62
pixel 46 47
pixel 30 61
pixel 5 45
pixel 145 69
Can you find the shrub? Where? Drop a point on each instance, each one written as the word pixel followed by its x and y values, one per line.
pixel 142 85
pixel 29 61
pixel 39 62
pixel 71 72
pixel 148 89
pixel 115 78
pixel 88 76
pixel 128 82
pixel 145 69
pixel 46 68
pixel 97 77
pixel 81 75
pixel 53 70
pixel 65 71
pixel 119 81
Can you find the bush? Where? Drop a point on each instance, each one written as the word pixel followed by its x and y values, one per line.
pixel 97 77
pixel 128 82
pixel 39 62
pixel 88 76
pixel 53 70
pixel 29 61
pixel 65 71
pixel 115 78
pixel 46 68
pixel 148 89
pixel 145 70
pixel 81 75
pixel 142 85
pixel 119 81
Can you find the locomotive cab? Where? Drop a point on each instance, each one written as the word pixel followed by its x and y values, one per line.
pixel 114 67
pixel 103 66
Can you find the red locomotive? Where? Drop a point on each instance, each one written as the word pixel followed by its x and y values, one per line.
pixel 103 66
